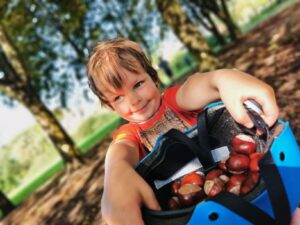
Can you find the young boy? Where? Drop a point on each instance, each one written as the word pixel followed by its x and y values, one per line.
pixel 124 80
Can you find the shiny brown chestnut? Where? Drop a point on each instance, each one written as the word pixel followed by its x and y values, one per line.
pixel 213 187
pixel 193 178
pixel 243 144
pixel 254 159
pixel 190 194
pixel 173 203
pixel 214 174
pixel 235 182
pixel 175 186
pixel 249 182
pixel 222 165
pixel 238 163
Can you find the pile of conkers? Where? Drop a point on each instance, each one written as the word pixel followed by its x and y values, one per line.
pixel 237 174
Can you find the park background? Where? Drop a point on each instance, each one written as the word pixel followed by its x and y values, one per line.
pixel 53 131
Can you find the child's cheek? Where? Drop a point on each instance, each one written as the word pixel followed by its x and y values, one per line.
pixel 122 108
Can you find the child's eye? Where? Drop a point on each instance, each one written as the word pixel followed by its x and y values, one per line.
pixel 139 84
pixel 117 98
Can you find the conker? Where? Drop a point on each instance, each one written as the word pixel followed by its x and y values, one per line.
pixel 243 144
pixel 190 194
pixel 222 165
pixel 237 164
pixel 175 186
pixel 214 174
pixel 192 178
pixel 213 187
pixel 173 203
pixel 249 182
pixel 224 178
pixel 234 184
pixel 254 159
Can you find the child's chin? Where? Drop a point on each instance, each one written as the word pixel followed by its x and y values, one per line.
pixel 140 119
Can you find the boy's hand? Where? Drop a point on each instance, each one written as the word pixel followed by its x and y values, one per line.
pixel 296 216
pixel 125 192
pixel 236 87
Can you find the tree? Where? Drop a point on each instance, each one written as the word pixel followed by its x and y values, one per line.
pixel 187 32
pixel 16 84
pixel 208 12
pixel 220 10
pixel 129 19
pixel 30 60
pixel 203 16
pixel 5 204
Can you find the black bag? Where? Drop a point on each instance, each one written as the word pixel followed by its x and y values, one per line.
pixel 274 197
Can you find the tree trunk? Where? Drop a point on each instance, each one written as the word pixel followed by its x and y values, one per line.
pixel 222 13
pixel 213 28
pixel 44 117
pixel 5 204
pixel 187 32
pixel 202 13
pixel 234 31
pixel 15 85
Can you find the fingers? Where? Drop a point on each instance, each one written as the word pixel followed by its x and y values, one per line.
pixel 270 110
pixel 296 217
pixel 149 199
pixel 239 113
pixel 130 215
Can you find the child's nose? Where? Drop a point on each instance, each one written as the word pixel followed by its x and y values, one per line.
pixel 133 98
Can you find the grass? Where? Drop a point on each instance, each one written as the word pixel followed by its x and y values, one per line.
pixel 32 183
pixel 93 139
pixel 49 163
pixel 265 14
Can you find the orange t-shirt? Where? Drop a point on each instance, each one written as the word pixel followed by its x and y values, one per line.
pixel 169 116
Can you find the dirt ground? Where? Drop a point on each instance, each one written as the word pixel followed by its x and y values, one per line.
pixel 270 52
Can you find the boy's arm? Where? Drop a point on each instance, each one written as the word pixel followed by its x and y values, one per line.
pixel 124 190
pixel 233 87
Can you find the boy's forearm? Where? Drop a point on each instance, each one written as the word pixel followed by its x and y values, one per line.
pixel 120 156
pixel 199 90
pixel 204 88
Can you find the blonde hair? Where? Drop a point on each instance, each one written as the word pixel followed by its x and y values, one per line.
pixel 108 57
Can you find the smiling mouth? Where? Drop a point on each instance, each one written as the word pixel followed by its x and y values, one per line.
pixel 141 109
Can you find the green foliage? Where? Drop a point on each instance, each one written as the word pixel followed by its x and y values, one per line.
pixel 266 13
pixel 243 10
pixel 178 62
pixel 48 38
pixel 31 152
pixel 179 66
pixel 27 153
pixel 213 43
pixel 92 125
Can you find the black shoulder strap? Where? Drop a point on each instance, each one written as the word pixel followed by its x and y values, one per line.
pixel 203 138
pixel 202 127
pixel 276 189
pixel 203 157
pixel 271 176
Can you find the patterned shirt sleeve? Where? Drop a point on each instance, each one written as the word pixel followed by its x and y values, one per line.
pixel 170 99
pixel 128 132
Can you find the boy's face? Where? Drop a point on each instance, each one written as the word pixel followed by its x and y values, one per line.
pixel 138 99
